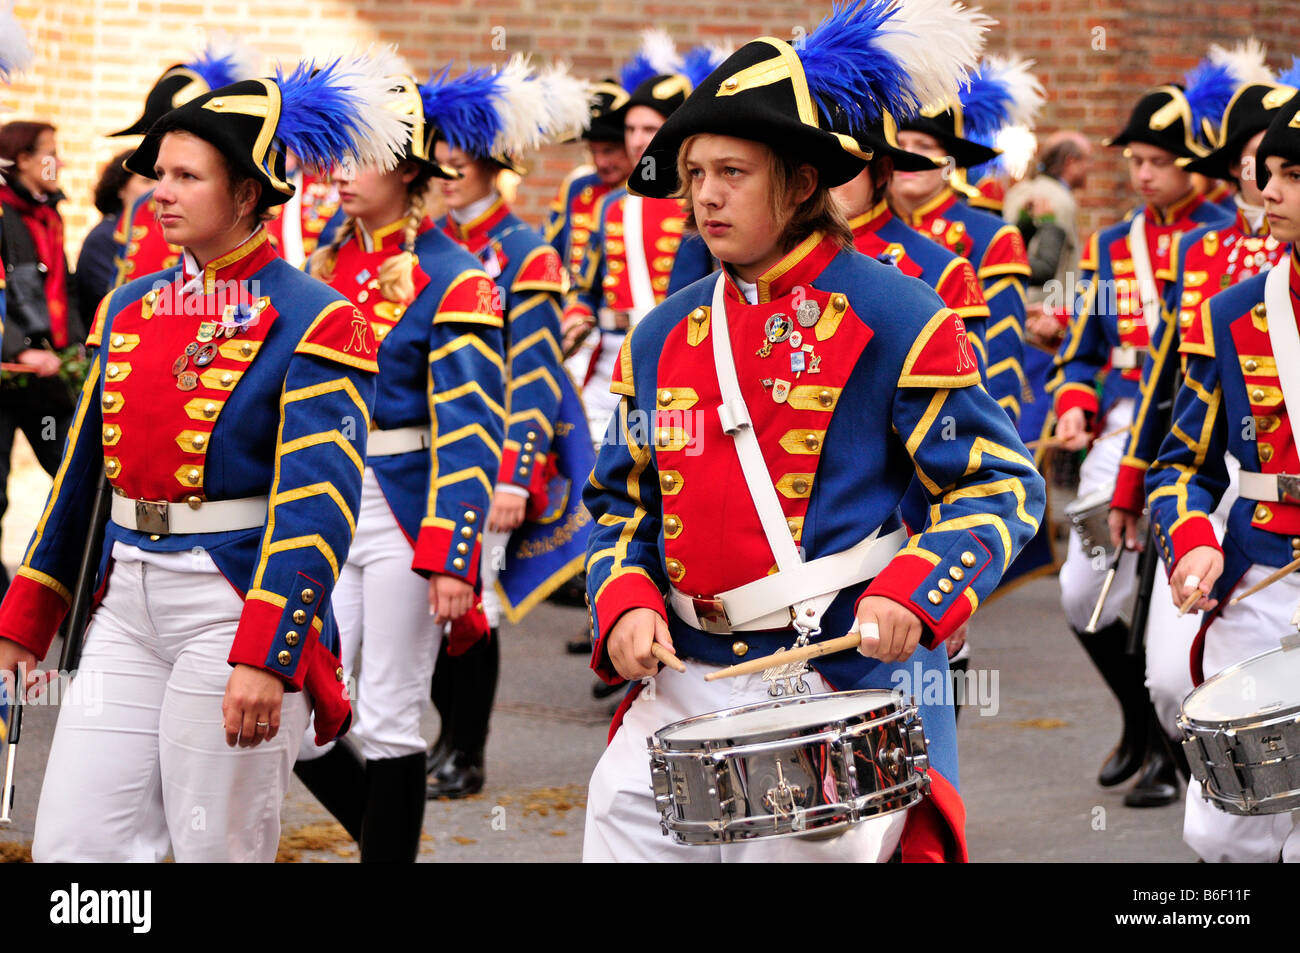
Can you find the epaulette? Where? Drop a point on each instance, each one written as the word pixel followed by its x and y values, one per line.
pixel 1091 253
pixel 941 355
pixel 471 298
pixel 621 381
pixel 341 333
pixel 541 271
pixel 1006 254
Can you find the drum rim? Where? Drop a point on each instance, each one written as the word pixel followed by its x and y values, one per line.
pixel 1242 721
pixel 893 702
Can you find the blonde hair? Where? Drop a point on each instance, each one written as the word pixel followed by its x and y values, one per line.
pixel 817 213
pixel 395 274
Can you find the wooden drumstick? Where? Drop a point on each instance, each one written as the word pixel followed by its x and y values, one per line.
pixel 829 647
pixel 668 658
pixel 1269 580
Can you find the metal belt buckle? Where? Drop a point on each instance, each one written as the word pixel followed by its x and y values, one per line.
pixel 711 614
pixel 151 518
pixel 1288 487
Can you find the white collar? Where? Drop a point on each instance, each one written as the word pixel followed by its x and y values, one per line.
pixel 1253 214
pixel 193 274
pixel 474 209
pixel 748 288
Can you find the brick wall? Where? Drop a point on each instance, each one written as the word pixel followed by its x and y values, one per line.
pixel 95 62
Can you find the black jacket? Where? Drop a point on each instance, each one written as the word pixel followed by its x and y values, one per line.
pixel 27 314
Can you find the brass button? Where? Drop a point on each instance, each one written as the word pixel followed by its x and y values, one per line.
pixel 466 532
pixel 667 481
pixel 199 441
pixel 528 446
pixel 811 441
pixel 308 596
pixel 523 471
pixel 1265 452
pixel 697 315
pixel 956 572
pixel 194 501
pixel 825 398
pixel 338 673
pixel 209 410
pixel 729 84
pixel 1252 365
pixel 1295 554
pixel 672 524
pixel 291 638
pixel 111 371
pixel 532 435
pixel 192 476
pixel 284 658
pixel 227 379
pixel 839 302
pixel 968 559
pixel 800 485
pixel 151 297
pixel 470 516
pixel 110 433
pixel 793 527
pixel 1295 542
pixel 675 569
pixel 1257 395
pixel 299 617
pixel 154 537
pixel 665 398
pixel 462 548
pixel 945 585
pixel 458 564
pixel 525 458
pixel 934 596
pixel 111 467
pixel 1262 512
pixel 110 400
pixel 1259 310
pixel 246 349
pixel 218 103
pixel 739 649
pixel 118 340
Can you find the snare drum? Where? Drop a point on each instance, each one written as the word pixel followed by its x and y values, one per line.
pixel 1242 730
pixel 808 765
pixel 1087 515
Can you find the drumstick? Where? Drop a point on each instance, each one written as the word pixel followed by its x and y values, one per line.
pixel 1048 442
pixel 789 656
pixel 17 368
pixel 1268 581
pixel 1190 601
pixel 668 658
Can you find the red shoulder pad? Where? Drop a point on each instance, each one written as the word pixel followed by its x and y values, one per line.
pixel 961 290
pixel 1006 253
pixel 942 355
pixel 342 334
pixel 541 271
pixel 472 298
pixel 621 380
pixel 1088 262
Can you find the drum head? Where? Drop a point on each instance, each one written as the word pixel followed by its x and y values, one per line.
pixel 1263 685
pixel 769 717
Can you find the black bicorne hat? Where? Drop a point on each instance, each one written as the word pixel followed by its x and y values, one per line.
pixel 947 126
pixel 173 89
pixel 1249 113
pixel 607 112
pixel 665 94
pixel 1282 138
pixel 882 139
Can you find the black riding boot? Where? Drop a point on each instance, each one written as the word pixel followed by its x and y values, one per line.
pixel 1125 676
pixel 390 832
pixel 338 780
pixel 473 691
pixel 1157 785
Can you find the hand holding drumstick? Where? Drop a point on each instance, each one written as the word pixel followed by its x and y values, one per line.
pixel 1193 578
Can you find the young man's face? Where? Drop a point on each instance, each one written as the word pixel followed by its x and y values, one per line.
pixel 1244 171
pixel 730 191
pixel 1282 198
pixel 856 196
pixel 912 188
pixel 639 127
pixel 1155 175
pixel 611 162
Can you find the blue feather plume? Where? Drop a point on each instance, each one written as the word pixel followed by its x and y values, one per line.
pixel 337 111
pixel 464 110
pixel 700 61
pixel 1291 77
pixel 221 62
pixel 847 69
pixel 985 107
pixel 1209 88
pixel 636 71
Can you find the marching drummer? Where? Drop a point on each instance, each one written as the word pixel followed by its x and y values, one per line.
pixel 1244 371
pixel 791 330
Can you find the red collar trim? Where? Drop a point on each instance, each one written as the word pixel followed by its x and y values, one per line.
pixel 873 220
pixel 800 266
pixel 477 231
pixel 250 257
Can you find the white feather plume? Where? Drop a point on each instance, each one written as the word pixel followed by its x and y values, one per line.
pixel 522 104
pixel 1246 61
pixel 568 101
pixel 15 54
pixel 660 51
pixel 1027 93
pixel 370 76
pixel 220 45
pixel 1018 145
pixel 938 42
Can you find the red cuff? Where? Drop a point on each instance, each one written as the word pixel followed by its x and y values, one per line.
pixel 1130 489
pixel 935 829
pixel 262 641
pixel 31 614
pixel 435 552
pixel 1195 531
pixel 909 580
pixel 1076 395
pixel 331 705
pixel 629 591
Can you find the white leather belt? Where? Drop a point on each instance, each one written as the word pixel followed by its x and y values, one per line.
pixel 173 519
pixel 1127 358
pixel 1269 487
pixel 607 319
pixel 768 603
pixel 389 443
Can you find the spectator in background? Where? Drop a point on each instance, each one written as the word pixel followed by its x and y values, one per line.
pixel 95 276
pixel 42 316
pixel 1046 212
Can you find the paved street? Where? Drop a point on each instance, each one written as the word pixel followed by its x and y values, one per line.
pixel 1028 765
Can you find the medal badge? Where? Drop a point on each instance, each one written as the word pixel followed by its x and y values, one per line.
pixel 796 340
pixel 207 331
pixel 206 355
pixel 187 380
pixel 765 350
pixel 778 327
pixel 190 349
pixel 798 361
pixel 814 364
pixel 180 364
pixel 780 390
pixel 807 314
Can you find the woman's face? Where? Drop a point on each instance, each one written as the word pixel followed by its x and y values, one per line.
pixel 730 191
pixel 478 177
pixel 912 188
pixel 136 186
pixel 196 207
pixel 373 197
pixel 38 170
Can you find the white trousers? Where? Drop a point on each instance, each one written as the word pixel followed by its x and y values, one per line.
pixel 1083 573
pixel 139 762
pixel 493 561
pixel 1240 632
pixel 601 405
pixel 623 822
pixel 387 637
